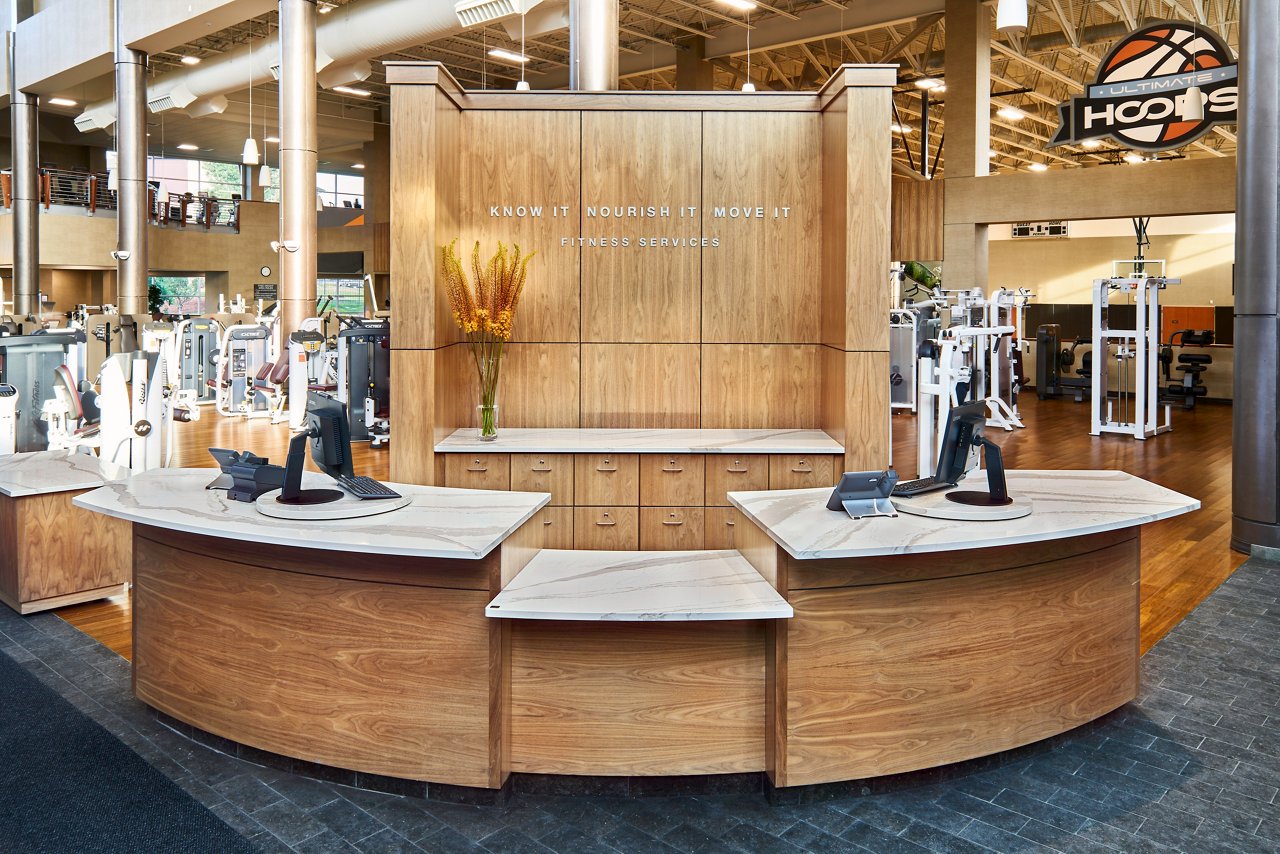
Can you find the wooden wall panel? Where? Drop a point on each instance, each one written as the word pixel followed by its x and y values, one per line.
pixel 640 385
pixel 762 284
pixel 834 234
pixel 855 402
pixel 641 293
pixel 917 220
pixel 746 386
pixel 539 386
pixel 870 167
pixel 1044 649
pixel 525 157
pixel 414 410
pixel 651 699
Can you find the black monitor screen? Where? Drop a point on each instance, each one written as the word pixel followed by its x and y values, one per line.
pixel 330 434
pixel 965 425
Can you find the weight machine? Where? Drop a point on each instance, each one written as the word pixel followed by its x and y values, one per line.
pixel 364 378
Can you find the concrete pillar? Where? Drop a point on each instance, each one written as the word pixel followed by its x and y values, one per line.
pixel 693 72
pixel 24 133
pixel 131 174
pixel 593 45
pixel 968 77
pixel 297 174
pixel 1255 463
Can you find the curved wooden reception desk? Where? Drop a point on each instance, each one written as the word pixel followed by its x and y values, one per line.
pixel 440 643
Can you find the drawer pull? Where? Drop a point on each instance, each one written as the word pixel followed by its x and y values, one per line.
pixel 802 467
pixel 605 522
pixel 736 467
pixel 541 467
pixel 547 523
pixel 673 466
pixel 728 522
pixel 606 465
pixel 673 521
pixel 477 465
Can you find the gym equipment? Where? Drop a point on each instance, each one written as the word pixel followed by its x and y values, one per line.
pixel 307 354
pixel 102 340
pixel 8 419
pixel 1052 360
pixel 364 378
pixel 905 338
pixel 1006 308
pixel 28 362
pixel 1190 365
pixel 242 353
pixel 1136 353
pixel 197 357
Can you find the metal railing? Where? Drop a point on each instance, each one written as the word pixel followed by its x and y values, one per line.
pixel 184 209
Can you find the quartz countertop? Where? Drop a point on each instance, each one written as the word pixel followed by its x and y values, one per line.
pixel 46 472
pixel 1063 504
pixel 568 440
pixel 638 587
pixel 439 522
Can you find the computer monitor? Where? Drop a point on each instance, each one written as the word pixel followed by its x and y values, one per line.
pixel 330 434
pixel 965 426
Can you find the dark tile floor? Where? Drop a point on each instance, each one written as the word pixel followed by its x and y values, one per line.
pixel 1192 766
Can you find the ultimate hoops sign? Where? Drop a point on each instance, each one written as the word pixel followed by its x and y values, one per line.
pixel 1141 84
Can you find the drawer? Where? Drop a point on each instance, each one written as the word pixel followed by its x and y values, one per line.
pixel 672 480
pixel 671 528
pixel 605 479
pixel 557 527
pixel 606 528
pixel 477 471
pixel 719 528
pixel 801 471
pixel 727 473
pixel 544 473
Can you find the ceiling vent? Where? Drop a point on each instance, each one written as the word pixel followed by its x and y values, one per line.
pixel 472 13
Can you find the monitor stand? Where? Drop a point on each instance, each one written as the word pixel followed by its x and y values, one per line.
pixel 997 494
pixel 292 491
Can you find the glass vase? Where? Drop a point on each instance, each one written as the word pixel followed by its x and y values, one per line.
pixel 488 413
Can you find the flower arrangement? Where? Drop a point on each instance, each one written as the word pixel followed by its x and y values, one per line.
pixel 485 309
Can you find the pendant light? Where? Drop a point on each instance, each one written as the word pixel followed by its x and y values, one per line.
pixel 264 176
pixel 523 85
pixel 249 156
pixel 1011 16
pixel 748 86
pixel 1192 108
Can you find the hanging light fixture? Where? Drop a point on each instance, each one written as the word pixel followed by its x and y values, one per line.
pixel 249 156
pixel 1192 107
pixel 746 6
pixel 1011 16
pixel 264 176
pixel 523 85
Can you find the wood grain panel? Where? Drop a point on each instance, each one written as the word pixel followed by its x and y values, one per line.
pixel 640 385
pixel 531 158
pixel 917 220
pixel 538 386
pixel 672 528
pixel 606 479
pixel 759 550
pixel 387 679
pixel 673 479
pixel 855 406
pixel 718 531
pixel 869 155
pixel 834 234
pixel 477 471
pixel 557 524
pixel 761 283
pixel 748 386
pixel 517 550
pixel 415 414
pixel 10 551
pixel 637 699
pixel 873 674
pixel 606 528
pixel 801 471
pixel 1176 317
pixel 641 293
pixel 727 473
pixel 551 473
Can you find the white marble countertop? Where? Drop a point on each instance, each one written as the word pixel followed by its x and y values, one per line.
pixel 638 587
pixel 1063 504
pixel 440 522
pixel 568 440
pixel 45 472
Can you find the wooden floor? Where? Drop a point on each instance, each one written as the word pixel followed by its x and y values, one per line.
pixel 1183 559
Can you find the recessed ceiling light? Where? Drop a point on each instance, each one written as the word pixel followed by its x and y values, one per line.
pixel 740 5
pixel 62 102
pixel 350 90
pixel 1134 157
pixel 271 139
pixel 190 60
pixel 1038 167
pixel 186 146
pixel 357 165
pixel 897 128
pixel 1012 114
pixel 508 55
pixel 1091 144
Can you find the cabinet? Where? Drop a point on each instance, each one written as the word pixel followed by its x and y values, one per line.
pixel 606 528
pixel 671 528
pixel 718 528
pixel 551 473
pixel 801 471
pixel 478 471
pixel 726 473
pixel 605 479
pixel 557 527
pixel 673 480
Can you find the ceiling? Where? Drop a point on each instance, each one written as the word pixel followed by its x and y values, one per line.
pixel 1034 72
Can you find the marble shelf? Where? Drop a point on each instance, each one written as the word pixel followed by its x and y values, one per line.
pixel 566 440
pixel 1063 504
pixel 440 522
pixel 46 472
pixel 638 587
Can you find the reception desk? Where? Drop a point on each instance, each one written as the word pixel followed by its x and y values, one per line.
pixel 443 643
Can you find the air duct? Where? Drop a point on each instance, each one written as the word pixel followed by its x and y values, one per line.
pixel 346 38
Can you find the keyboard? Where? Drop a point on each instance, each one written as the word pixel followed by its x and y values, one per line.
pixel 908 488
pixel 365 487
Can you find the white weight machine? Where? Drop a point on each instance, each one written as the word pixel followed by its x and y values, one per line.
pixel 8 419
pixel 1135 410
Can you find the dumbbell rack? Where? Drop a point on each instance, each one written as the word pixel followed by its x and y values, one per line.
pixel 1140 345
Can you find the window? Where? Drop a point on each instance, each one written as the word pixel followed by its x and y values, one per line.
pixel 334 190
pixel 213 178
pixel 179 294
pixel 345 294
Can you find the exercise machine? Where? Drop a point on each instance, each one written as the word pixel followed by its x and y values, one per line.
pixel 198 343
pixel 364 378
pixel 28 362
pixel 242 353
pixel 1053 359
pixel 8 419
pixel 1191 365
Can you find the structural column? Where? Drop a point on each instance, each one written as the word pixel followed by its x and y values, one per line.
pixel 693 72
pixel 24 132
pixel 1255 462
pixel 593 45
pixel 968 67
pixel 131 174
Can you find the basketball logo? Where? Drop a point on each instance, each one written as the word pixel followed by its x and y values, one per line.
pixel 1136 97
